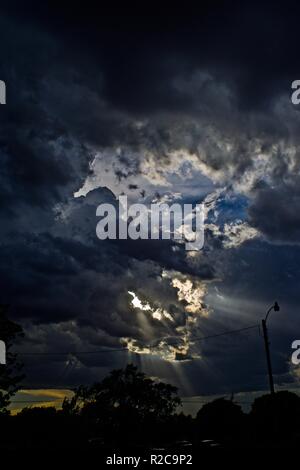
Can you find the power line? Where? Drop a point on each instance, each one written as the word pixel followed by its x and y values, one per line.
pixel 239 330
pixel 101 351
pixel 193 338
pixel 66 353
pixel 201 338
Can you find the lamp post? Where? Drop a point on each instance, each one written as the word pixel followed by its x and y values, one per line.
pixel 276 308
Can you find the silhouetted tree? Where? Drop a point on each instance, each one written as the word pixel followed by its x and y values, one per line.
pixel 220 420
pixel 10 373
pixel 125 405
pixel 46 427
pixel 276 417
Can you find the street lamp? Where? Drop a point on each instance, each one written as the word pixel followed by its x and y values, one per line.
pixel 276 308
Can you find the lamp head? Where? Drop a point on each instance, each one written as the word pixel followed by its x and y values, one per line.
pixel 276 307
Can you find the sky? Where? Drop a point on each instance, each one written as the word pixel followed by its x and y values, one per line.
pixel 165 104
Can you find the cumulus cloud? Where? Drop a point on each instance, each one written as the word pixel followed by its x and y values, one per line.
pixel 238 233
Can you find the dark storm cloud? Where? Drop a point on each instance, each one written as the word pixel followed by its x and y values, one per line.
pixel 37 168
pixel 275 211
pixel 79 83
pixel 140 53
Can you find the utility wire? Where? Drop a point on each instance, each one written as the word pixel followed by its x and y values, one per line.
pixel 228 332
pixel 196 338
pixel 101 351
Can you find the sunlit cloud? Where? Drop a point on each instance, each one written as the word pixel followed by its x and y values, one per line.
pixel 175 345
pixel 190 292
pixel 157 313
pixel 238 233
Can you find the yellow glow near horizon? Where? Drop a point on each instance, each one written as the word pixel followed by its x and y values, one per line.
pixel 31 398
